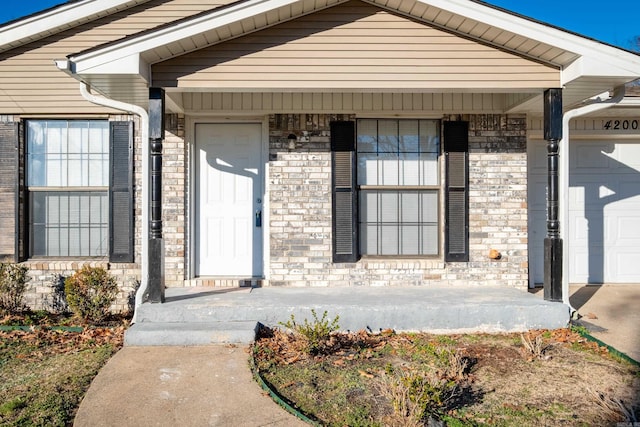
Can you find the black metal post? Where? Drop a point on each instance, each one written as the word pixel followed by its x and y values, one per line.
pixel 155 285
pixel 553 242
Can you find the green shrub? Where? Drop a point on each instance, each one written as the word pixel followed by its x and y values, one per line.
pixel 316 333
pixel 13 284
pixel 90 292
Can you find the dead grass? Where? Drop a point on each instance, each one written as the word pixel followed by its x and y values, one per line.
pixel 542 378
pixel 44 373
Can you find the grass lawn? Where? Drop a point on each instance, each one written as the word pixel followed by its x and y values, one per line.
pixel 44 373
pixel 360 379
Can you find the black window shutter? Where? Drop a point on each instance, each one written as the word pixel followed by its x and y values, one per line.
pixel 456 148
pixel 344 205
pixel 9 192
pixel 121 209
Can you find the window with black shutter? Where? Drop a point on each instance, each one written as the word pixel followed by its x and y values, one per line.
pixel 456 151
pixel 79 186
pixel 344 206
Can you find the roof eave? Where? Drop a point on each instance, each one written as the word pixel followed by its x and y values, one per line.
pixel 589 58
pixel 56 19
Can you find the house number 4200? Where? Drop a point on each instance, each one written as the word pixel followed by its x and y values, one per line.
pixel 620 124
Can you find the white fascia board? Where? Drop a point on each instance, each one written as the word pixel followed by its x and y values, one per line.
pixel 592 67
pixel 61 17
pixel 127 65
pixel 95 60
pixel 540 32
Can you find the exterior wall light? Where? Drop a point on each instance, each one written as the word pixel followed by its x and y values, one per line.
pixel 292 138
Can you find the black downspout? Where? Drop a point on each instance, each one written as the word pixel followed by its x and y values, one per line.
pixel 553 242
pixel 155 288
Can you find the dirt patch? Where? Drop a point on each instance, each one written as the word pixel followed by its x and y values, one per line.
pixel 542 378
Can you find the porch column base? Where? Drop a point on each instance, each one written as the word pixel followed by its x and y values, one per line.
pixel 553 269
pixel 155 284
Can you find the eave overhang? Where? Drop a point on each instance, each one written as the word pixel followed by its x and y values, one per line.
pixel 121 69
pixel 57 19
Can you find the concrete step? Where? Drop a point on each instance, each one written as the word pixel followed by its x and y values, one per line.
pixel 190 333
pixel 438 310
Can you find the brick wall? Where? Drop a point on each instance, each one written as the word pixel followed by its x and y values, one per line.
pixel 45 289
pixel 300 210
pixel 174 201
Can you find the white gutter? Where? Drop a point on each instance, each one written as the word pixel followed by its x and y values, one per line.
pixel 85 91
pixel 597 105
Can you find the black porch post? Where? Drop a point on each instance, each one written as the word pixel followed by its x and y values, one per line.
pixel 155 287
pixel 553 242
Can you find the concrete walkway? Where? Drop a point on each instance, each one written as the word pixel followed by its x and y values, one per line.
pixel 611 313
pixel 179 386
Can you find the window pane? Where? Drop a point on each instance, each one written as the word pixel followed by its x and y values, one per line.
pixel 367 136
pixel 36 170
pixel 410 207
pixel 388 207
pixel 410 169
pixel 388 136
pixel 98 137
pixel 369 206
pixel 389 238
pixel 430 136
pixel 388 169
pixel 429 207
pixel 69 223
pixel 430 239
pixel 429 169
pixel 77 135
pixel 409 136
pixel 410 237
pixel 35 135
pixel 367 169
pixel 55 137
pixel 369 239
pixel 58 153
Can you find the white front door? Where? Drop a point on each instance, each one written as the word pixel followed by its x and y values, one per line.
pixel 228 200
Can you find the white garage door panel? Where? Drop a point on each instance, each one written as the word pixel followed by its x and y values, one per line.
pixel 604 211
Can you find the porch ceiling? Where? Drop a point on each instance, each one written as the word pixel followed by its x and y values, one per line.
pixel 121 69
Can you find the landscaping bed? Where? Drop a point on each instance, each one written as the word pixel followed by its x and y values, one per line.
pixel 386 379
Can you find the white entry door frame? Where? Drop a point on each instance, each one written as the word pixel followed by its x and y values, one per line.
pixel 228 199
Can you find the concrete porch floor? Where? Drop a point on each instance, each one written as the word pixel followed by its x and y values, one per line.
pixel 200 315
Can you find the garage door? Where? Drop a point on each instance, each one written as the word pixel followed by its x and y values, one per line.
pixel 604 211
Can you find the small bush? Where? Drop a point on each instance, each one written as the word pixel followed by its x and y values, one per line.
pixel 417 396
pixel 534 348
pixel 90 292
pixel 13 284
pixel 316 333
